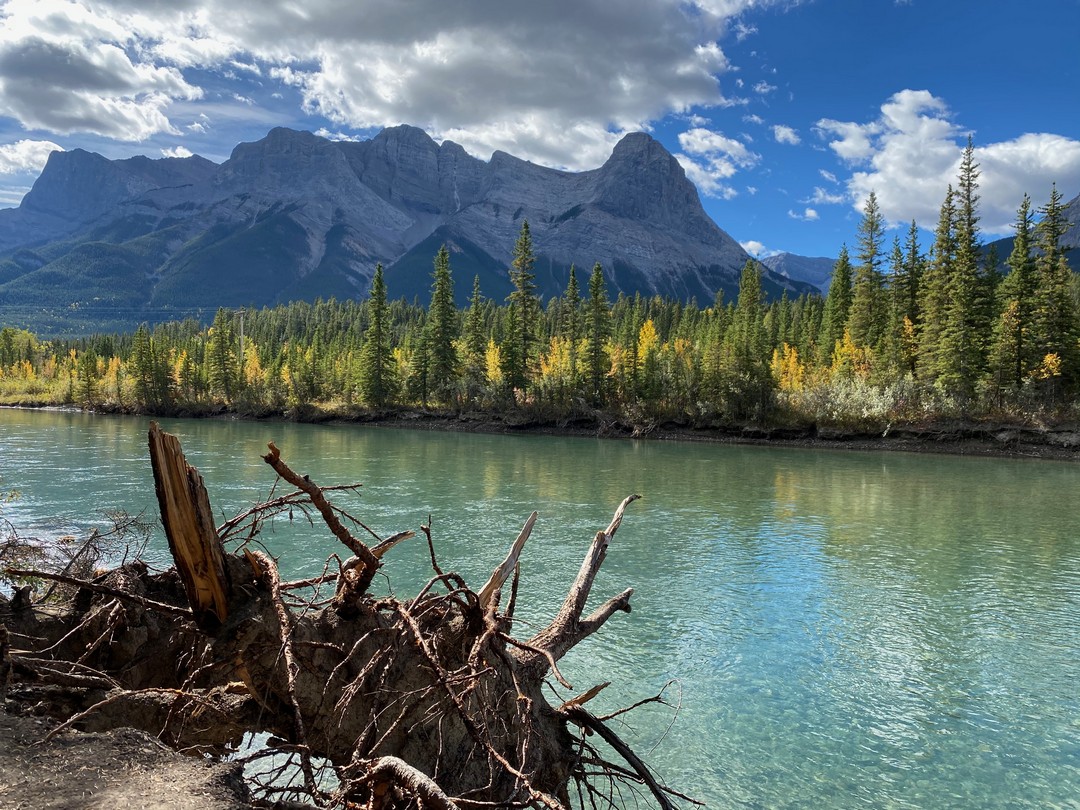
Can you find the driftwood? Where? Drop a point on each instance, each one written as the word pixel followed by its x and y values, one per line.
pixel 423 703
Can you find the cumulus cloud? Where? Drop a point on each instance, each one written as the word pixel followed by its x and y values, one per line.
pixel 754 248
pixel 25 156
pixel 177 152
pixel 556 82
pixel 785 134
pixel 66 69
pixel 823 197
pixel 808 215
pixel 711 158
pixel 763 88
pixel 911 153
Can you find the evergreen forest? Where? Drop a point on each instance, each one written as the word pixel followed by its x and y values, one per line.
pixel 903 336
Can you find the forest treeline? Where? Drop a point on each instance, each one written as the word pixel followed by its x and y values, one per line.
pixel 902 336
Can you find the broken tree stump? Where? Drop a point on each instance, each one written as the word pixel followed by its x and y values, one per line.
pixel 189 526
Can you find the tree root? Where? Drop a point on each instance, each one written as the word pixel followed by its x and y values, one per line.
pixel 424 703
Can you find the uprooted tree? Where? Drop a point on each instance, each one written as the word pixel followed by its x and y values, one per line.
pixel 369 701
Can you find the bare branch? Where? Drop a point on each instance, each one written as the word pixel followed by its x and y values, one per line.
pixel 506 568
pixel 567 629
pixel 329 515
pixel 587 720
pixel 142 601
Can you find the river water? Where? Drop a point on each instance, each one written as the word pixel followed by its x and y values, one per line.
pixel 843 630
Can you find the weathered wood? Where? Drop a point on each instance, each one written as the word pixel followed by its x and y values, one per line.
pixel 568 628
pixel 189 527
pixel 385 773
pixel 506 568
pixel 369 563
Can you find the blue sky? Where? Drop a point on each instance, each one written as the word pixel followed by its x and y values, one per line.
pixel 785 113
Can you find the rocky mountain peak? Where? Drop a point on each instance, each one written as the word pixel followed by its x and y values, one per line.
pixel 78 186
pixel 642 180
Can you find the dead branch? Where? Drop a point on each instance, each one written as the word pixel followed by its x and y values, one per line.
pixel 506 568
pixel 587 720
pixel 134 598
pixel 383 773
pixel 269 575
pixel 313 491
pixel 567 629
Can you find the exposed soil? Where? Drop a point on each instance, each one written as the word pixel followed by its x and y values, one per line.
pixel 122 768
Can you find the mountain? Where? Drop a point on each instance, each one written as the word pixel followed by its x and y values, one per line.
pixel 102 244
pixel 1070 240
pixel 1071 237
pixel 816 270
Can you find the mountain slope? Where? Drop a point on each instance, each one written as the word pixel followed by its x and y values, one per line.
pixel 816 270
pixel 297 216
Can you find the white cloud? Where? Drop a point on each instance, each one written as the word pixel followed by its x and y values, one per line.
pixel 808 215
pixel 828 176
pixel 323 132
pixel 743 30
pixel 753 247
pixel 177 152
pixel 823 197
pixel 785 134
pixel 710 158
pixel 753 119
pixel 23 157
pixel 911 153
pixel 706 142
pixel 763 88
pixel 65 69
pixel 556 82
pixel 709 177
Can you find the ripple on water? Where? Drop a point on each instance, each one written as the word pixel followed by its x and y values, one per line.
pixel 845 630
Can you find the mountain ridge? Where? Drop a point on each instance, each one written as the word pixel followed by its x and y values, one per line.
pixel 294 214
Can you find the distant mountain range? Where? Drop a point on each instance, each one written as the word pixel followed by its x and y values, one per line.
pixel 102 244
pixel 816 270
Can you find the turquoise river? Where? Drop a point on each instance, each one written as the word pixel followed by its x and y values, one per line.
pixel 841 630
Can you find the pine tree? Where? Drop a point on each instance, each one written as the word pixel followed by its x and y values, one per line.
pixel 867 317
pixel 1054 324
pixel 525 307
pixel 837 306
pixel 570 312
pixel 747 368
pixel 1013 356
pixel 907 277
pixel 598 314
pixel 222 365
pixel 934 292
pixel 474 344
pixel 442 330
pixel 377 380
pixel 961 351
pixel 150 371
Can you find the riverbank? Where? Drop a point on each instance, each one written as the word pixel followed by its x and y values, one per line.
pixel 951 437
pixel 969 437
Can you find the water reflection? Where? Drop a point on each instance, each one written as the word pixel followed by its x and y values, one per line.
pixel 847 630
